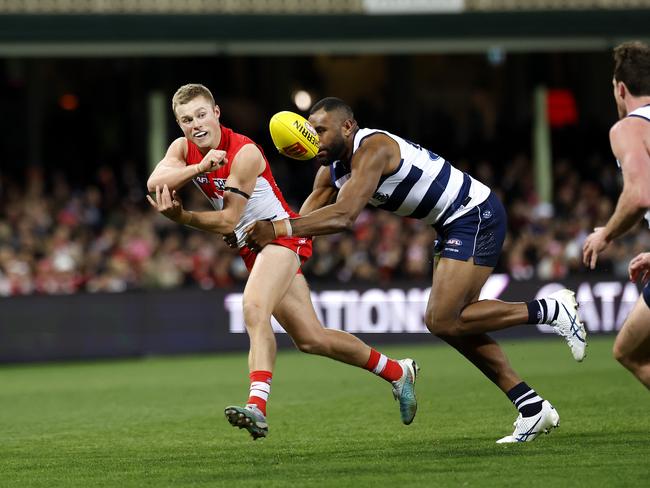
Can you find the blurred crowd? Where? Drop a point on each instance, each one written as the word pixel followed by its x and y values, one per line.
pixel 58 237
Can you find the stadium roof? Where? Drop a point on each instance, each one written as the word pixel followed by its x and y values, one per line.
pixel 97 35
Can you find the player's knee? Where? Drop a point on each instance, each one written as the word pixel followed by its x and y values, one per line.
pixel 254 314
pixel 442 327
pixel 624 357
pixel 618 353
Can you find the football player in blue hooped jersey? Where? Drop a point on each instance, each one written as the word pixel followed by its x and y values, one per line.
pixel 361 166
pixel 630 141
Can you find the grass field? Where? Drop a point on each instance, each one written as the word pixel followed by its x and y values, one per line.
pixel 159 422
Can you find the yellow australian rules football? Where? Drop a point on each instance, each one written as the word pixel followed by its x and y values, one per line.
pixel 293 136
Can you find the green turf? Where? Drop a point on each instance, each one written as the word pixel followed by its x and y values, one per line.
pixel 159 422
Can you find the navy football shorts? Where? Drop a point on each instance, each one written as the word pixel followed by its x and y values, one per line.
pixel 646 294
pixel 479 234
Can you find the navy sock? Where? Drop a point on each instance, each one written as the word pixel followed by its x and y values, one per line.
pixel 534 312
pixel 527 401
pixel 542 311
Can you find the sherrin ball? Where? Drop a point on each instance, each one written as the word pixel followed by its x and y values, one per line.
pixel 293 135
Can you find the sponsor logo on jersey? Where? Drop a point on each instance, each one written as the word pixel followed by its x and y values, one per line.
pixel 201 179
pixel 487 214
pixel 219 183
pixel 454 242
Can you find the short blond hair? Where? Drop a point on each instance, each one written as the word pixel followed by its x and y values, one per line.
pixel 189 92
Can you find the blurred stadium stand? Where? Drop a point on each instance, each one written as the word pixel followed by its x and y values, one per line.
pixel 267 7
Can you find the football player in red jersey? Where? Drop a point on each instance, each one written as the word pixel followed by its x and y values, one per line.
pixel 232 172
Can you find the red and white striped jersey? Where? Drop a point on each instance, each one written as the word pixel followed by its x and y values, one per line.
pixel 266 202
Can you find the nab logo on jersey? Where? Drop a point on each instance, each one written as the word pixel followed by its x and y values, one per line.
pixel 219 183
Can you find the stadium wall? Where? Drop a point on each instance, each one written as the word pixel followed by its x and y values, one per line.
pixel 84 326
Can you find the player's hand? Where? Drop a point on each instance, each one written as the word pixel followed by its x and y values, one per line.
pixel 169 204
pixel 231 240
pixel 594 245
pixel 214 159
pixel 259 234
pixel 640 266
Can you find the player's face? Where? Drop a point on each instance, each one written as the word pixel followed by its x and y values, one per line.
pixel 620 104
pixel 199 121
pixel 330 127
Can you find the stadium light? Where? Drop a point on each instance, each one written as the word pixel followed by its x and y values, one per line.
pixel 302 99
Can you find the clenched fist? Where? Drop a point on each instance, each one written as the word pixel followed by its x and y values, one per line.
pixel 213 160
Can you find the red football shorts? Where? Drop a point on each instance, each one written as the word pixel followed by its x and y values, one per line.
pixel 302 246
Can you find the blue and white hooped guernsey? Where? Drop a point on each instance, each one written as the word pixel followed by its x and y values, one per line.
pixel 425 186
pixel 642 113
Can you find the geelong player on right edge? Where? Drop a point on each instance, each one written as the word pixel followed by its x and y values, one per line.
pixel 362 166
pixel 630 141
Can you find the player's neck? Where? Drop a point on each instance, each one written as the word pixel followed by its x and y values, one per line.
pixel 637 102
pixel 349 151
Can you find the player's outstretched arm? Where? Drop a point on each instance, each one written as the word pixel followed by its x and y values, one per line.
pixel 246 167
pixel 261 233
pixel 368 165
pixel 175 173
pixel 626 138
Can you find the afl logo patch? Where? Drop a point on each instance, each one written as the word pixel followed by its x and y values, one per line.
pixel 487 214
pixel 454 242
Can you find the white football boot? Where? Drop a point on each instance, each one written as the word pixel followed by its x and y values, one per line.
pixel 528 428
pixel 568 324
